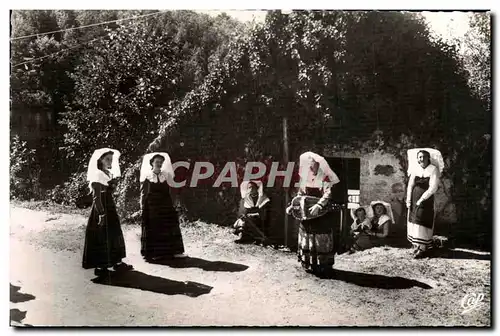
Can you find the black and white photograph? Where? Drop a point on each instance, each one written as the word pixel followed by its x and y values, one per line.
pixel 250 168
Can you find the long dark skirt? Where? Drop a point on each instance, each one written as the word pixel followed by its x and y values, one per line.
pixel 161 232
pixel 421 221
pixel 318 241
pixel 104 244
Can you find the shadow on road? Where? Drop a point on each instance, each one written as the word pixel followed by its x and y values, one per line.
pixel 16 315
pixel 458 254
pixel 206 265
pixel 16 296
pixel 375 280
pixel 146 282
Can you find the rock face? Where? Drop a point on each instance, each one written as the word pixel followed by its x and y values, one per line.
pixel 386 170
pixel 382 178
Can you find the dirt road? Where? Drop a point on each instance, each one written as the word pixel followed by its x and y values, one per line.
pixel 224 284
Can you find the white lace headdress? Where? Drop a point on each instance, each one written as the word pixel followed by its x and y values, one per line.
pixel 436 159
pixel 146 167
pixel 94 174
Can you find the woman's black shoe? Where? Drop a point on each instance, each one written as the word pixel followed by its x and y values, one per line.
pixel 244 241
pixel 420 254
pixel 122 267
pixel 102 272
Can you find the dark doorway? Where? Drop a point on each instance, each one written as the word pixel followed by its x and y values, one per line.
pixel 348 171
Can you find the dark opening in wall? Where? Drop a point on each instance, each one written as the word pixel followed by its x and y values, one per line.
pixel 386 170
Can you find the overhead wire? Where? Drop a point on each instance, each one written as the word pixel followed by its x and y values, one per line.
pixel 86 26
pixel 57 52
pixel 80 44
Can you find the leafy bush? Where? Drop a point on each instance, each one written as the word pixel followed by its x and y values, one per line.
pixel 127 79
pixel 71 191
pixel 24 171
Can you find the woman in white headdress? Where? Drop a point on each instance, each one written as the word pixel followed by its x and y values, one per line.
pixel 382 218
pixel 161 233
pixel 424 168
pixel 318 237
pixel 104 243
pixel 252 223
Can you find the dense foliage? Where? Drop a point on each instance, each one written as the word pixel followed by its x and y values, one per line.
pixel 24 172
pixel 108 84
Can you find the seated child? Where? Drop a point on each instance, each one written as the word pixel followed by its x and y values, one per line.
pixel 361 222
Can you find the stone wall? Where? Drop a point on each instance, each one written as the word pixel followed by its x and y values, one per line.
pixel 382 178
